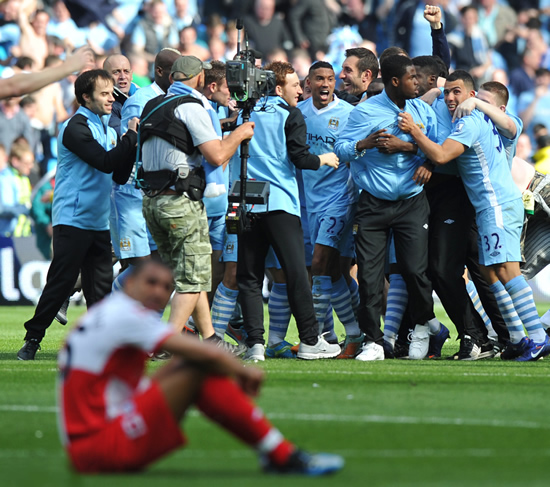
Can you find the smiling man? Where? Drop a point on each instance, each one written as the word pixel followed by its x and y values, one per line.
pixel 359 69
pixel 330 199
pixel 392 197
pixel 90 155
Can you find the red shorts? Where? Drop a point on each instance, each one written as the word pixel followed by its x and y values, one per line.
pixel 132 440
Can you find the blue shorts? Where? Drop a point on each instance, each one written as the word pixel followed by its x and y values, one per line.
pixel 333 227
pixel 499 232
pixel 230 248
pixel 129 233
pixel 216 227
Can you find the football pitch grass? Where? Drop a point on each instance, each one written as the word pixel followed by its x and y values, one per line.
pixel 396 422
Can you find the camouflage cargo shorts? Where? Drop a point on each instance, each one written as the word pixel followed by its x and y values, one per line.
pixel 180 229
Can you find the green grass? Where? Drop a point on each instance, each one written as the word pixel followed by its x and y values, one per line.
pixel 397 423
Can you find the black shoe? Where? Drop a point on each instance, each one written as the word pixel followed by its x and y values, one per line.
pixel 469 349
pixel 401 349
pixel 28 351
pixel 236 350
pixel 303 463
pixel 487 350
pixel 388 350
pixel 498 347
pixel 454 356
pixel 61 315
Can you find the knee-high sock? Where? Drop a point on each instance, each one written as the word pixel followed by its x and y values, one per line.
pixel 508 312
pixel 118 283
pixel 524 304
pixel 328 326
pixel 321 290
pixel 223 306
pixel 341 302
pixel 221 400
pixel 354 293
pixel 395 309
pixel 476 301
pixel 279 314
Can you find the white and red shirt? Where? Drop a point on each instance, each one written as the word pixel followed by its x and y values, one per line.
pixel 102 364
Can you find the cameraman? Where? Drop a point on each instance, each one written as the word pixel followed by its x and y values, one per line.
pixel 277 149
pixel 177 220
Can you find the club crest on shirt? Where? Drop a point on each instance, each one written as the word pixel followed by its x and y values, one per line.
pixel 421 126
pixel 333 123
pixel 113 142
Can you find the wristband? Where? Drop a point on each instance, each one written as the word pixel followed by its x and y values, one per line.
pixel 357 153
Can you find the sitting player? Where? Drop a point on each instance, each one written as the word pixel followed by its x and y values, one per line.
pixel 114 418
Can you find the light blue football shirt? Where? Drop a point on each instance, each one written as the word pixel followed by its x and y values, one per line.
pixel 483 166
pixel 327 186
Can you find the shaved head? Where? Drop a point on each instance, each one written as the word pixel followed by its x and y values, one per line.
pixel 118 66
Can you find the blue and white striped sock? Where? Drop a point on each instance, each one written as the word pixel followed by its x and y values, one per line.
pixel 118 283
pixel 279 314
pixel 522 297
pixel 398 297
pixel 223 306
pixel 476 301
pixel 354 294
pixel 321 290
pixel 508 312
pixel 328 326
pixel 341 302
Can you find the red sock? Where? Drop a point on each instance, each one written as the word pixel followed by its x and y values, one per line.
pixel 224 402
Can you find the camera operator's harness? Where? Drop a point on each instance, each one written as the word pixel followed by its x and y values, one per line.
pixel 159 120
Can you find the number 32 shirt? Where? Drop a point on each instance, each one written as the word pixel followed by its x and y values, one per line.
pixel 483 165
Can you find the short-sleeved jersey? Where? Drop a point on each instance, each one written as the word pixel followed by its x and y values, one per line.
pixel 483 165
pixel 102 363
pixel 511 144
pixel 385 176
pixel 327 186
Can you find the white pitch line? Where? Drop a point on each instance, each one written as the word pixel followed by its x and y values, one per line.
pixel 408 420
pixel 195 454
pixel 336 418
pixel 22 408
pixel 544 373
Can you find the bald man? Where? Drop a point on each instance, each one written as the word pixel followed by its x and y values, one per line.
pixel 118 66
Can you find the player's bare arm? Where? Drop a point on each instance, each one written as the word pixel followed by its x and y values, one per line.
pixel 430 96
pixel 504 123
pixel 438 154
pixel 215 360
